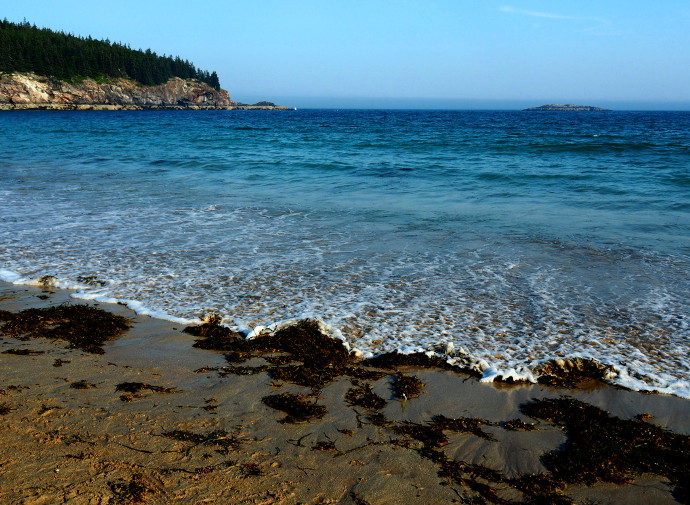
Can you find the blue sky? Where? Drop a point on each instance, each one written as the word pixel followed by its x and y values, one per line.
pixel 407 53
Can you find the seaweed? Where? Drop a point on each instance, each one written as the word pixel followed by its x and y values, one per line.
pixel 394 360
pixel 363 374
pixel 538 484
pixel 324 446
pixel 321 358
pixel 136 387
pixel 406 387
pixel 570 373
pixel 363 396
pixel 429 435
pixel 23 352
pixel 59 362
pixel 84 327
pixel 296 407
pixel 131 492
pixel 462 425
pixel 47 281
pixel 432 433
pixel 309 375
pixel 600 447
pixel 280 359
pixel 517 425
pixel 214 336
pixel 225 440
pixel 236 357
pixel 241 370
pixel 5 409
pixel 82 384
pixel 378 419
pixel 91 280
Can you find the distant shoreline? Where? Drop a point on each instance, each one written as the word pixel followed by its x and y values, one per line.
pixel 114 107
pixel 570 107
pixel 28 91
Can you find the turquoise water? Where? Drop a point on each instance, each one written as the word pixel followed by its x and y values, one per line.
pixel 518 237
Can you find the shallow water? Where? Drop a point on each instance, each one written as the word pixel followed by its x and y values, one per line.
pixel 517 236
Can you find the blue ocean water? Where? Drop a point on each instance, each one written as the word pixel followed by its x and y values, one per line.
pixel 516 236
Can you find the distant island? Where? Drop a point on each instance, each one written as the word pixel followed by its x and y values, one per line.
pixel 566 107
pixel 47 70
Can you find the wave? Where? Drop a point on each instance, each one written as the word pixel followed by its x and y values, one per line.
pixel 554 370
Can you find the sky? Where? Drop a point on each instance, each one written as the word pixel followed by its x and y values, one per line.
pixel 493 54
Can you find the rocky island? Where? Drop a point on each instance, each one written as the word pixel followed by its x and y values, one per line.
pixel 565 107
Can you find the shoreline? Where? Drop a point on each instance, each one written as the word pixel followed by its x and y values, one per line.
pixel 70 436
pixel 554 371
pixel 114 107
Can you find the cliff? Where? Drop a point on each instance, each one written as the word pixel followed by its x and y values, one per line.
pixel 22 91
pixel 565 107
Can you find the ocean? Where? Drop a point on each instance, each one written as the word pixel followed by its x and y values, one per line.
pixel 518 237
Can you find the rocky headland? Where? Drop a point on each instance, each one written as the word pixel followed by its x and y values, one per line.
pixel 566 107
pixel 27 91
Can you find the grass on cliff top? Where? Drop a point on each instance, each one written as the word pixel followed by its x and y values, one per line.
pixel 84 327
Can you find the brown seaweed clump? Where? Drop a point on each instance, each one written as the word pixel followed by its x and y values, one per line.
pixel 214 336
pixel 225 440
pixel 361 395
pixel 600 447
pixel 23 352
pixel 82 384
pixel 571 372
pixel 320 359
pixel 394 360
pixel 83 326
pixel 296 407
pixel 406 386
pixel 132 492
pixel 136 387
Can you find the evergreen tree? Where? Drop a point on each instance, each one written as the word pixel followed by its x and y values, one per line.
pixel 27 48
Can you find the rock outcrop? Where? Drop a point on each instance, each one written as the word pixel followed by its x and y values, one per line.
pixel 23 91
pixel 565 107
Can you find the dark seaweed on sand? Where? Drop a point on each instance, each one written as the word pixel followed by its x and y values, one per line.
pixel 394 360
pixel 214 336
pixel 406 386
pixel 82 384
pixel 433 434
pixel 321 358
pixel 600 447
pixel 221 438
pixel 361 395
pixel 84 327
pixel 136 387
pixel 570 373
pixel 23 352
pixel 131 492
pixel 298 408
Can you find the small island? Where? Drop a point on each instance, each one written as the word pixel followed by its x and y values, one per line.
pixel 559 107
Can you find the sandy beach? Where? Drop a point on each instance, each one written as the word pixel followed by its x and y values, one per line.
pixel 154 420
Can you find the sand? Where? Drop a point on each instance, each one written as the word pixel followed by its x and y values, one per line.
pixel 93 444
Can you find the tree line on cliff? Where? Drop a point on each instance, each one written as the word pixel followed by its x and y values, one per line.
pixel 27 48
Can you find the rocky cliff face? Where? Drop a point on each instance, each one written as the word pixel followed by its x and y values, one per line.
pixel 29 91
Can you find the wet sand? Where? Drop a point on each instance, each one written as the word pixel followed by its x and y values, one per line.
pixel 68 435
